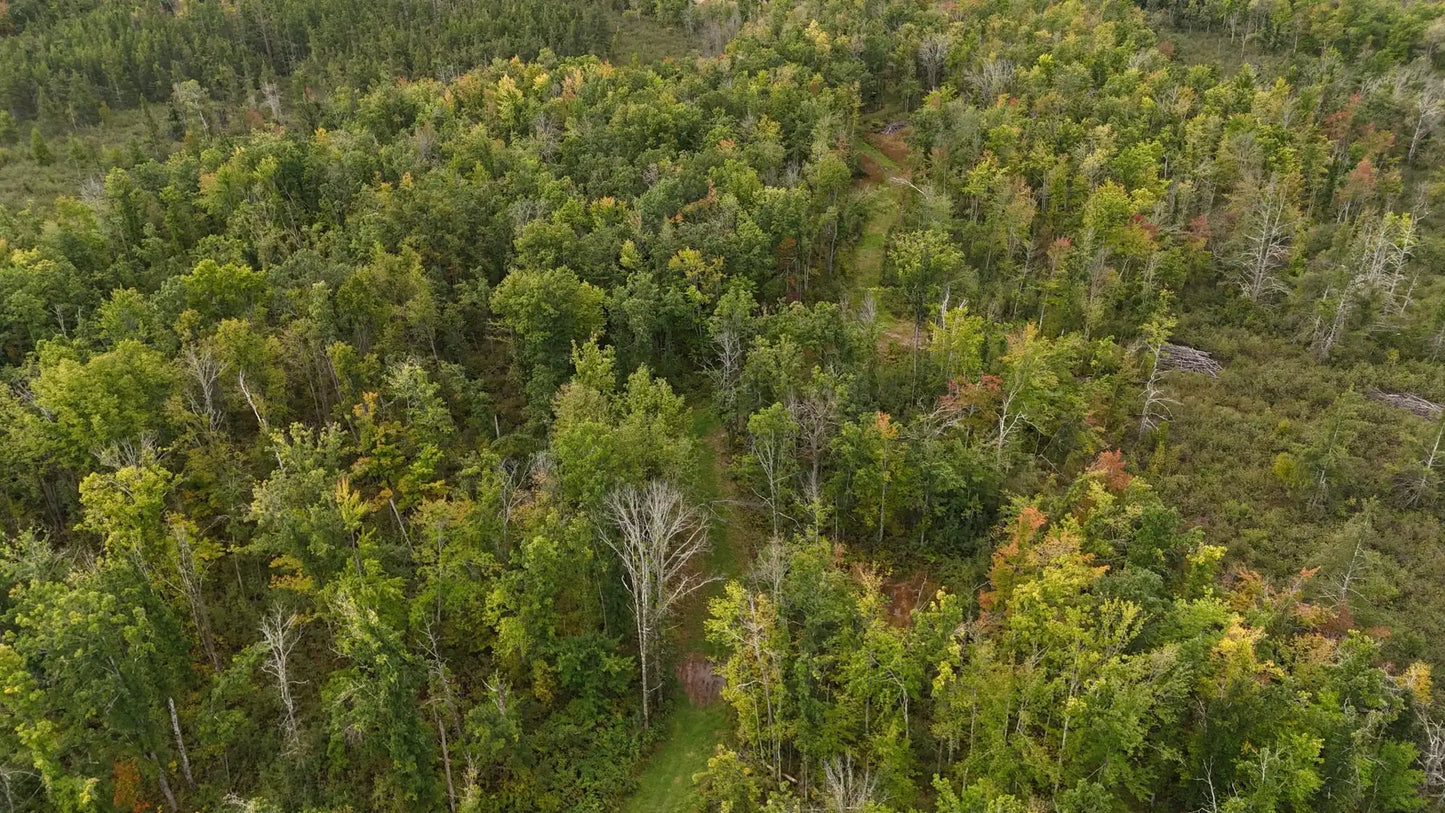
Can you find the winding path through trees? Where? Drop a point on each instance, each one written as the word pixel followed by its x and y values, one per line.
pixel 696 719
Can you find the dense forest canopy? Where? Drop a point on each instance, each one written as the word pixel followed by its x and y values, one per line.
pixel 856 405
pixel 67 62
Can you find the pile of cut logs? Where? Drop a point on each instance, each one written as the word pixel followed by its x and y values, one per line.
pixel 1189 360
pixel 1408 402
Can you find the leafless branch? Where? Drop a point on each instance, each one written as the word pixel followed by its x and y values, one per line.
pixel 204 371
pixel 848 787
pixel 279 633
pixel 659 536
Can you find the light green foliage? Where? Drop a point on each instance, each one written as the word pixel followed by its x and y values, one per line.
pixel 547 310
pixel 99 648
pixel 37 288
pixel 956 343
pixel 223 291
pixel 747 626
pixel 604 437
pixel 319 372
pixel 1034 388
pixel 118 396
pixel 125 509
pixel 926 263
pixel 771 462
pixel 1076 681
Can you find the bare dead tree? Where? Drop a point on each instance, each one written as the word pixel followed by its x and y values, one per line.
pixel 1432 760
pixel 26 395
pixel 770 568
pixel 164 782
pixel 868 309
pixel 501 692
pixel 8 777
pixel 1343 585
pixel 718 29
pixel 442 700
pixel 659 536
pixel 180 743
pixel 251 402
pixel 992 79
pixel 1156 403
pixel 515 475
pixel 1436 342
pixel 1008 420
pixel 1420 487
pixel 128 452
pixel 279 633
pixel 1429 107
pixel 59 310
pixel 1375 266
pixel 261 419
pixel 1013 409
pixel 195 595
pixel 848 787
pixel 816 414
pixel 192 100
pixel 204 371
pixel 773 452
pixel 92 193
pixel 933 54
pixel 1327 337
pixel 1270 223
pixel 1409 402
pixel 727 375
pixel 271 98
pixel 240 804
pixel 948 412
pixel 426 138
pixel 1395 245
pixel 1212 805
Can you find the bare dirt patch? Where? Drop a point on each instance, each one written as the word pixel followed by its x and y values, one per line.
pixel 899 334
pixel 906 594
pixel 702 684
pixel 892 144
pixel 873 172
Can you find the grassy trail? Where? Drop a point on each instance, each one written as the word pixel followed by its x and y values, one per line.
pixel 880 198
pixel 883 190
pixel 688 733
pixel 686 740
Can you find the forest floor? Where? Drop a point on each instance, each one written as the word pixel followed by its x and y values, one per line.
pixel 697 719
pixel 685 743
pixel 1204 47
